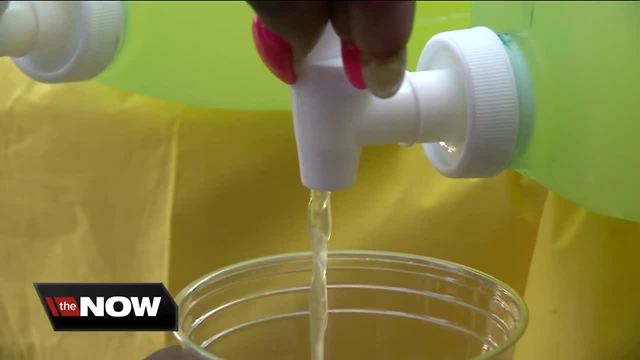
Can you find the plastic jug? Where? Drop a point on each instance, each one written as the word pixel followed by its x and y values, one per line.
pixel 574 65
pixel 583 58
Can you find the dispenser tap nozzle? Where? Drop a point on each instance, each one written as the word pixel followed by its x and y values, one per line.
pixel 461 104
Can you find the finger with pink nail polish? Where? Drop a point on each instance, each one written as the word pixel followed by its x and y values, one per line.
pixel 284 32
pixel 274 51
pixel 352 65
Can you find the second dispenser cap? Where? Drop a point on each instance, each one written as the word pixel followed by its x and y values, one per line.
pixel 61 41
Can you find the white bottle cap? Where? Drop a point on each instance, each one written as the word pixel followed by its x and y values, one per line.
pixel 61 41
pixel 482 64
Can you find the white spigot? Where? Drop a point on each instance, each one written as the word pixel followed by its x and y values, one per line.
pixel 461 104
pixel 61 41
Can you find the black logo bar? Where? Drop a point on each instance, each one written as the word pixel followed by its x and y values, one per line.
pixel 108 306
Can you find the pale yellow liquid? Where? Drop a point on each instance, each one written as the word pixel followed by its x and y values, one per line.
pixel 320 232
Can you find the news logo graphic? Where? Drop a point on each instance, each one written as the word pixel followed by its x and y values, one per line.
pixel 108 306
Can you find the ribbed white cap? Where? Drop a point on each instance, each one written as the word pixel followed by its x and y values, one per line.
pixel 68 41
pixel 481 62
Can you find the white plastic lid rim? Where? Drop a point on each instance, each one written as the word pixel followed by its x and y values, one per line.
pixel 62 41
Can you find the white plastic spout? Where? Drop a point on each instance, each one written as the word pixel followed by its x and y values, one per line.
pixel 321 97
pixel 428 107
pixel 61 41
pixel 462 106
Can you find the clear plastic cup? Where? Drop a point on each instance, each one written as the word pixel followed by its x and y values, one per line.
pixel 381 306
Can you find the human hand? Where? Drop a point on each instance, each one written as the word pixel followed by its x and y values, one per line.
pixel 373 37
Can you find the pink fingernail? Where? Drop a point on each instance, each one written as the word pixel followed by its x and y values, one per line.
pixel 351 64
pixel 274 51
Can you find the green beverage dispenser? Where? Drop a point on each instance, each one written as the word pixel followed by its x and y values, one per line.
pixel 199 53
pixel 583 59
pixel 572 64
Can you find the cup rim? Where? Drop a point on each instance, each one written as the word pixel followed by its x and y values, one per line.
pixel 514 335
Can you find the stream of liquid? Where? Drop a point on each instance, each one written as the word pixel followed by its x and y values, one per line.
pixel 320 232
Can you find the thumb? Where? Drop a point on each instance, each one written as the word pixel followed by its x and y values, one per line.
pixel 379 30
